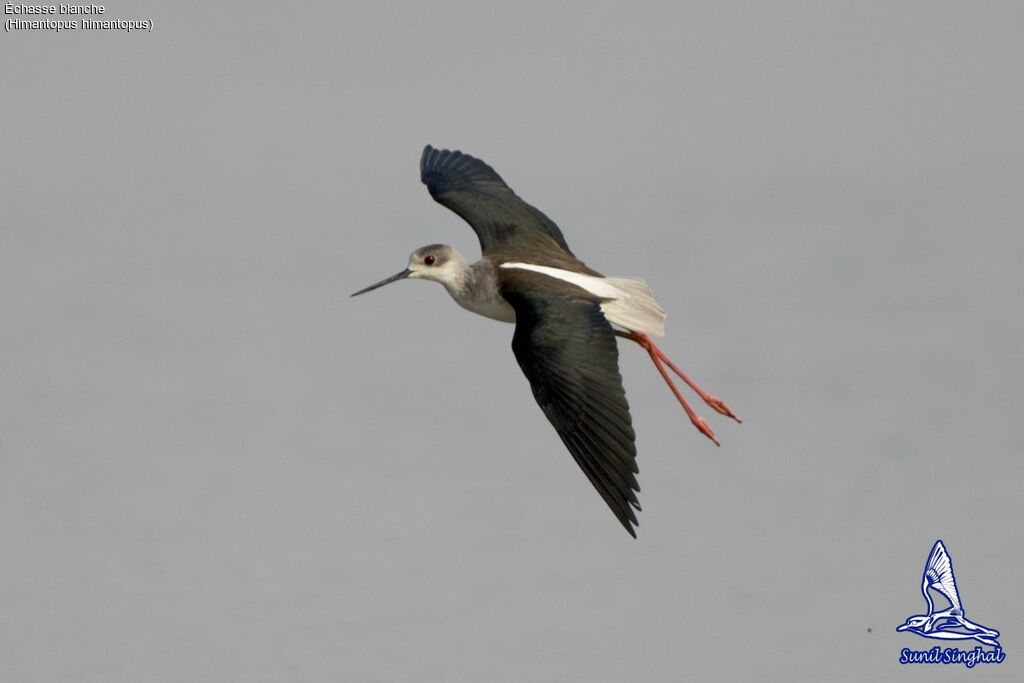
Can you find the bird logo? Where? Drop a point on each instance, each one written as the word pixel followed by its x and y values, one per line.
pixel 950 623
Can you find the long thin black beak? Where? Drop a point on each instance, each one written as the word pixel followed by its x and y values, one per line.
pixel 386 281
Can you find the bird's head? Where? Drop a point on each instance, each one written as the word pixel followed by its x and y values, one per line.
pixel 914 623
pixel 437 262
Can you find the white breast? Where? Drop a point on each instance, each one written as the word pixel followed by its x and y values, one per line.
pixel 628 300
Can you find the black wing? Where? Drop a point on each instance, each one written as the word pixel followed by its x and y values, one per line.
pixel 472 189
pixel 567 350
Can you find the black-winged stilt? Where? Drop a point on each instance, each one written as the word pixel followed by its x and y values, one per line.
pixel 563 312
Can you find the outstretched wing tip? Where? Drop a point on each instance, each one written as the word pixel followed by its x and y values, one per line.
pixel 472 188
pixel 451 170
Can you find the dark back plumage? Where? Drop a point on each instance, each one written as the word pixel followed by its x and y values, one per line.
pixel 476 192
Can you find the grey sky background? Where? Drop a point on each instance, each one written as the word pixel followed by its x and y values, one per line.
pixel 214 466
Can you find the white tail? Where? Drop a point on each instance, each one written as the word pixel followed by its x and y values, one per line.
pixel 635 307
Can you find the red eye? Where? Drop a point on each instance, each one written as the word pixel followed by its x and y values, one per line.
pixel 429 259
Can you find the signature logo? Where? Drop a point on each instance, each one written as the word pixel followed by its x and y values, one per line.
pixel 948 623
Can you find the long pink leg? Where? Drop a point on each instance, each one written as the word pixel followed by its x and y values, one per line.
pixel 657 355
pixel 713 401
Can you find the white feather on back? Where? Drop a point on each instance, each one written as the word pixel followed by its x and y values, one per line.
pixel 629 302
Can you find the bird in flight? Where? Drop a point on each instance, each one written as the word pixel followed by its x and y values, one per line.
pixel 566 314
